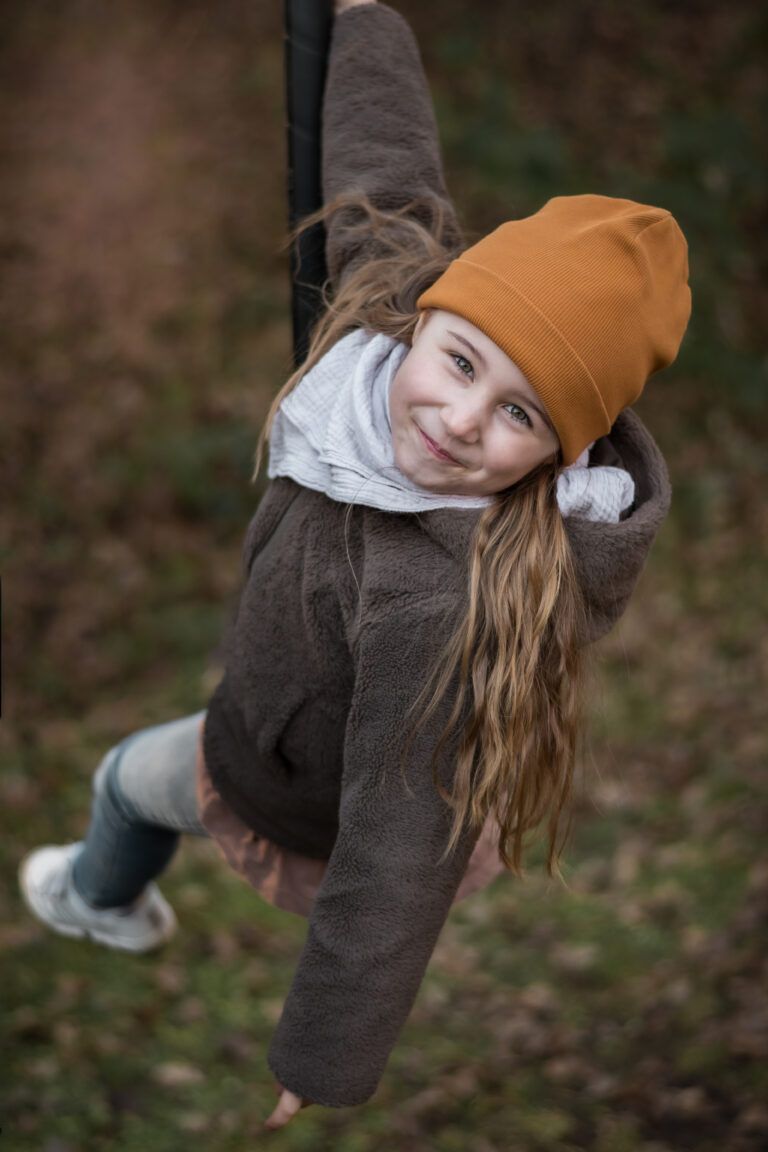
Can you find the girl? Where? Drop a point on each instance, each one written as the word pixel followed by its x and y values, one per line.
pixel 459 503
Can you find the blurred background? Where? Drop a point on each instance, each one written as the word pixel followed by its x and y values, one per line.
pixel 144 328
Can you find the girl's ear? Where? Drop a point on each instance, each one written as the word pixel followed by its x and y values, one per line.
pixel 420 323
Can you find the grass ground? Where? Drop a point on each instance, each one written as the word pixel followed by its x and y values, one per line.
pixel 144 329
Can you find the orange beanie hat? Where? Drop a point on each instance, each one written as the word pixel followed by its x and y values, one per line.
pixel 589 297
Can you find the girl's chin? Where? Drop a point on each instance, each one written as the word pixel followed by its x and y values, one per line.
pixel 437 486
pixel 432 475
pixel 426 476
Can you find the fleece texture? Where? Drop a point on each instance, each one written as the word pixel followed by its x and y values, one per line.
pixel 343 610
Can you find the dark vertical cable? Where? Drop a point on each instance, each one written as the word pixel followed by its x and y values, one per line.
pixel 307 36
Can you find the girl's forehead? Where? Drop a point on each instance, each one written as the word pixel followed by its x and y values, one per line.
pixel 452 322
pixel 475 340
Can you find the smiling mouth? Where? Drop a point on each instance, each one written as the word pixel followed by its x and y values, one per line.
pixel 436 450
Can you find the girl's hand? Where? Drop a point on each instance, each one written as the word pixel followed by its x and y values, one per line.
pixel 342 5
pixel 287 1107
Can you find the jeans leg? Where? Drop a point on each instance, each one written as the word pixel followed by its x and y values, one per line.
pixel 143 798
pixel 157 774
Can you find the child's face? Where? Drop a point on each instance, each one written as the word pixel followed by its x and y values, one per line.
pixel 465 421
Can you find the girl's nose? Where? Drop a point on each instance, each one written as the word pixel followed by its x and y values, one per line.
pixel 463 418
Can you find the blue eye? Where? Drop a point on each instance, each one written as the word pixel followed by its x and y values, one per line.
pixel 462 364
pixel 517 414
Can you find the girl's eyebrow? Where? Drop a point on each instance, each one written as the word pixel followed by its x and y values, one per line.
pixel 475 351
pixel 525 402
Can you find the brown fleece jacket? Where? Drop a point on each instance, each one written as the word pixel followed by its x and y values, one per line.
pixel 342 613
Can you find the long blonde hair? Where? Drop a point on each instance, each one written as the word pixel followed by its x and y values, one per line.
pixel 513 664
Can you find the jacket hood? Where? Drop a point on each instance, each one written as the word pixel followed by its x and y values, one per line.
pixel 608 557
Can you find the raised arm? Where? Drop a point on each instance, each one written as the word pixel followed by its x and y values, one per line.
pixel 379 130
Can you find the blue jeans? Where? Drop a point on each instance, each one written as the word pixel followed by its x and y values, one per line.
pixel 144 796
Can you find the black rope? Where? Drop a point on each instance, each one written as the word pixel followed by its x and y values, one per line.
pixel 307 36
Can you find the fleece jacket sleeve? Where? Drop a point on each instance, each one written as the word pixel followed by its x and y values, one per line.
pixel 379 132
pixel 609 558
pixel 385 895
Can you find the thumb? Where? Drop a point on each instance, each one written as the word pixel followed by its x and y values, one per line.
pixel 287 1107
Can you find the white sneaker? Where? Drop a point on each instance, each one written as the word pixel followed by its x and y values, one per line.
pixel 46 883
